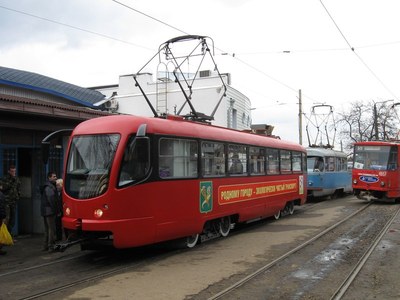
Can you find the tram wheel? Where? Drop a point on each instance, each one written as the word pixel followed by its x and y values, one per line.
pixel 192 240
pixel 335 195
pixel 225 226
pixel 277 215
pixel 291 207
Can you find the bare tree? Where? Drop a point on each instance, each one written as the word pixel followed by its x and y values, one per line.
pixel 367 122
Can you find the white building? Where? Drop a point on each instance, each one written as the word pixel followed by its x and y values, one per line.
pixel 231 110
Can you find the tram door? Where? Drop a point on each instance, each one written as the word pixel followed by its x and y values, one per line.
pixel 25 206
pixel 40 170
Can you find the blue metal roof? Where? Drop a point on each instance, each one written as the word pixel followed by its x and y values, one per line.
pixel 44 84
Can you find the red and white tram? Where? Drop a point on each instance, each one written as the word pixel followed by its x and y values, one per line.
pixel 376 173
pixel 133 181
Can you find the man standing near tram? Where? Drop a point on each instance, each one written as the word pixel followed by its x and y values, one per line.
pixel 12 191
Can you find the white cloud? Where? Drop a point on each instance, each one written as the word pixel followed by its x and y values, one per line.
pixel 320 62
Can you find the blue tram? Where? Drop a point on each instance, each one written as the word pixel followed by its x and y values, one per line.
pixel 327 172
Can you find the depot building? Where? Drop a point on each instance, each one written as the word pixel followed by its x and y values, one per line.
pixel 31 107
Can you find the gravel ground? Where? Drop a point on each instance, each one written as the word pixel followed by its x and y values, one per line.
pixel 379 279
pixel 198 273
pixel 216 262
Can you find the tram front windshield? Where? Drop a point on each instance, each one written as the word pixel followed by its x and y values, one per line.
pixel 375 157
pixel 89 163
pixel 315 164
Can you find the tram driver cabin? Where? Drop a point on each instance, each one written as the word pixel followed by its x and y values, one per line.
pixel 376 174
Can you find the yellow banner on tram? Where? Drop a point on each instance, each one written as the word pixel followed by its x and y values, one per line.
pixel 244 192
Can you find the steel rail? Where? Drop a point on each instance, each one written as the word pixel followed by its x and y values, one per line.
pixel 41 265
pixel 357 268
pixel 107 273
pixel 279 259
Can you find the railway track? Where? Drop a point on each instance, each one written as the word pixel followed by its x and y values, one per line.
pixel 344 287
pixel 22 270
pixel 46 279
pixel 302 273
pixel 85 269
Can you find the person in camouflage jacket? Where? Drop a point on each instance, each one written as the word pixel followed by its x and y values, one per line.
pixel 11 190
pixel 2 214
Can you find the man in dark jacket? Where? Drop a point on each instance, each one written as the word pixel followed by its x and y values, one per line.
pixel 2 213
pixel 49 211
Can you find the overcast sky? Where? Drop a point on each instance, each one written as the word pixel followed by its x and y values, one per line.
pixel 274 48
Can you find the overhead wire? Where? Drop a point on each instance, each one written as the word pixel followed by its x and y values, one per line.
pixel 337 27
pixel 233 55
pixel 73 27
pixel 357 55
pixel 291 51
pixel 140 46
pixel 148 16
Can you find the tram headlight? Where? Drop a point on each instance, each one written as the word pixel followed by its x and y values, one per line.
pixel 67 211
pixel 382 183
pixel 98 213
pixel 355 181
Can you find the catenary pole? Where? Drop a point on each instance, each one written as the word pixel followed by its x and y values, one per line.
pixel 300 120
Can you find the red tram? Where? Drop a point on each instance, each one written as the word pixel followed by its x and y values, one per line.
pixel 133 181
pixel 375 173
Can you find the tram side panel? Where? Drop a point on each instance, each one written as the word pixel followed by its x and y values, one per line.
pixel 160 204
pixel 327 172
pixel 181 208
pixel 327 183
pixel 165 209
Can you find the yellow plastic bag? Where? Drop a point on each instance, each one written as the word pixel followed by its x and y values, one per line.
pixel 5 236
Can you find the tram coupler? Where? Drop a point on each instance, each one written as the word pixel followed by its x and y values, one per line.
pixel 61 247
pixel 364 195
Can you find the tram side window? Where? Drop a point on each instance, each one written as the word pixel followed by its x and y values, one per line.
pixel 341 164
pixel 330 164
pixel 286 161
pixel 319 164
pixel 237 159
pixel 213 159
pixel 296 161
pixel 257 161
pixel 177 158
pixel 272 161
pixel 135 163
pixel 304 162
pixel 392 162
pixel 338 166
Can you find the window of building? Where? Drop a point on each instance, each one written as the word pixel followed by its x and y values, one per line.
pixel 234 118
